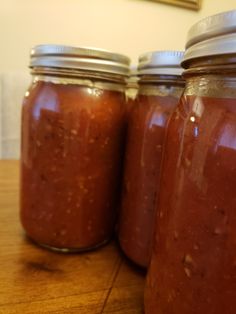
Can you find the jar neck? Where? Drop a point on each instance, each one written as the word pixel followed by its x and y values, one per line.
pixel 78 74
pixel 213 76
pixel 161 79
pixel 82 78
pixel 211 85
pixel 161 85
pixel 217 65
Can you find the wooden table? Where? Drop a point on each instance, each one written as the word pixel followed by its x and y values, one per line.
pixel 34 280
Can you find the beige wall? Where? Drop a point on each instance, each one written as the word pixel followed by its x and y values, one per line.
pixel 128 26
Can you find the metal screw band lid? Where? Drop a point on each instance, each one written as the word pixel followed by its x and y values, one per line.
pixel 214 35
pixel 81 58
pixel 160 63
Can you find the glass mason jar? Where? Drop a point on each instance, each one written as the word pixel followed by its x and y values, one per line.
pixel 73 123
pixel 193 265
pixel 160 87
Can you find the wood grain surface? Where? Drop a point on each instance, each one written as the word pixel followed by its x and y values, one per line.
pixel 34 280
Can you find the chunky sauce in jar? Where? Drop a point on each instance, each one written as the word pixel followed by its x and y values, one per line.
pixel 193 267
pixel 153 106
pixel 193 263
pixel 72 142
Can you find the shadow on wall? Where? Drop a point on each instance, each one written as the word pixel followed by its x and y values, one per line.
pixel 13 86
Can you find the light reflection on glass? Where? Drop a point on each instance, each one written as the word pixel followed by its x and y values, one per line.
pixel 228 137
pixel 198 107
pixel 196 131
pixel 46 101
pixel 157 120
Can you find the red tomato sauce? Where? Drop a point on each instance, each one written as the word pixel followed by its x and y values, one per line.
pixel 193 265
pixel 72 143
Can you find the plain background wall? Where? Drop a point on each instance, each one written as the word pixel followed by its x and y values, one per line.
pixel 128 26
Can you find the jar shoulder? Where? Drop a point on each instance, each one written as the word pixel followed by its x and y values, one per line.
pixel 71 97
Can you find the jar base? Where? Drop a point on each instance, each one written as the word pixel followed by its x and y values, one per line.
pixel 136 262
pixel 68 250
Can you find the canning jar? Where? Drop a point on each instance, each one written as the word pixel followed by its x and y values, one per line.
pixel 160 86
pixel 73 122
pixel 193 265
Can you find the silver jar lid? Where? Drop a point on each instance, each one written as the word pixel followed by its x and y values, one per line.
pixel 160 63
pixel 79 58
pixel 214 35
